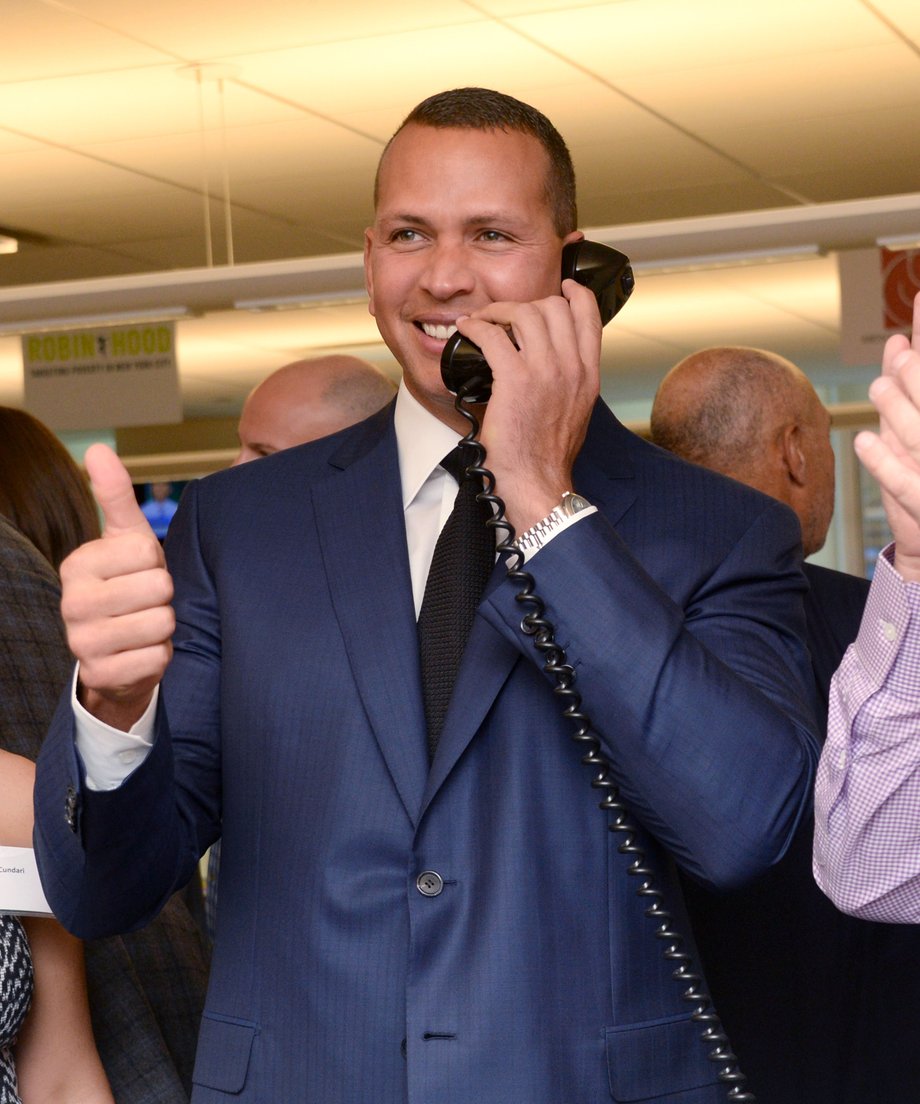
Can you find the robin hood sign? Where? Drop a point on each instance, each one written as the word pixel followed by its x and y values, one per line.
pixel 103 377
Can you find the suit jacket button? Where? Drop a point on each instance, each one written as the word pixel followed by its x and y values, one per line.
pixel 429 883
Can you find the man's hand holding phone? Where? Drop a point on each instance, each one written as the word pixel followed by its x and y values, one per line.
pixel 116 595
pixel 545 361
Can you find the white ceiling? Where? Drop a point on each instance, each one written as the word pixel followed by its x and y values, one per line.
pixel 110 139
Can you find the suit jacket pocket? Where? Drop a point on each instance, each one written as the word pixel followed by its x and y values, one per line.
pixel 650 1061
pixel 224 1049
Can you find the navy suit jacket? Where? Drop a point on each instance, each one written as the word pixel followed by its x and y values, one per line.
pixel 292 712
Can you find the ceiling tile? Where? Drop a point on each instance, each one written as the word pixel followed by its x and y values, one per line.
pixel 11 142
pixel 42 264
pixel 815 85
pixel 833 142
pixel 198 30
pixel 399 70
pixel 41 41
pixel 672 198
pixel 904 14
pixel 618 40
pixel 809 99
pixel 140 103
pixel 890 175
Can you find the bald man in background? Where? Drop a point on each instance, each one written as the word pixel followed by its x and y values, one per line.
pixel 820 1008
pixel 301 402
pixel 307 400
pixel 754 416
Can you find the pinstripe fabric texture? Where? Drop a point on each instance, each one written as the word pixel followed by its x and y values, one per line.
pixel 15 995
pixel 146 989
pixel 868 786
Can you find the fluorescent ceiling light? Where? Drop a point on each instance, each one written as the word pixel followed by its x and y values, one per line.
pixel 901 241
pixel 729 260
pixel 747 237
pixel 345 298
pixel 112 318
pixel 8 244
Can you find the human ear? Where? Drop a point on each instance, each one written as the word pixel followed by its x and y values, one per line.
pixel 794 454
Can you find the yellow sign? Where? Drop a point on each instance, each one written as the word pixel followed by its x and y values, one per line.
pixel 104 377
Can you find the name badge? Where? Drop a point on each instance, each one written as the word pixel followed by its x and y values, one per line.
pixel 20 887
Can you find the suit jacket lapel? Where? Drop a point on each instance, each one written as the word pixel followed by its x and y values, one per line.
pixel 359 514
pixel 604 474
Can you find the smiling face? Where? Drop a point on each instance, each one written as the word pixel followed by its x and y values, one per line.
pixel 462 221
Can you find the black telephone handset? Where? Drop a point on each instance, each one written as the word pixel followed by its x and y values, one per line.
pixel 467 375
pixel 607 273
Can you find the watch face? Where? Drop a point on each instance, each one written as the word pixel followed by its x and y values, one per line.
pixel 574 503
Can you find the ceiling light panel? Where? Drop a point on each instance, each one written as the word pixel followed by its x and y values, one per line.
pixel 315 327
pixel 805 288
pixel 705 309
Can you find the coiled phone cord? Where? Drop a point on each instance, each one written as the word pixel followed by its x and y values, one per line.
pixel 535 624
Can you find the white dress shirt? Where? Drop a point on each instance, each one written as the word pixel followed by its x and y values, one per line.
pixel 428 492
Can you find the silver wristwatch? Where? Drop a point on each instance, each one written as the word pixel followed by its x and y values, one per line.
pixel 537 535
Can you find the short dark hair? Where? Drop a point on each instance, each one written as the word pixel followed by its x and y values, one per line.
pixel 42 491
pixel 483 109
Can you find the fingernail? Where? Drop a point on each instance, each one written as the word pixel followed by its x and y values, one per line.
pixel 901 360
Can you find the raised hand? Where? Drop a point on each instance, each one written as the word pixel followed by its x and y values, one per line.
pixel 893 455
pixel 545 383
pixel 116 595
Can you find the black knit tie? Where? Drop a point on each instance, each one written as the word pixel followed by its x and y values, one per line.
pixel 460 567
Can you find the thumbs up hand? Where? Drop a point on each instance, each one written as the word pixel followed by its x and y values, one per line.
pixel 116 595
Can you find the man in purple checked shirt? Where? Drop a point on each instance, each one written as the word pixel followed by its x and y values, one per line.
pixel 867 796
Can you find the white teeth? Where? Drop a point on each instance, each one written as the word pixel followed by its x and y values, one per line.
pixel 440 333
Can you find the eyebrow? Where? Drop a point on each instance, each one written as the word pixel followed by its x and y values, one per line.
pixel 487 218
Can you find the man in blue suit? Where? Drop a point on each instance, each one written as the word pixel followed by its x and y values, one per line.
pixel 821 1007
pixel 391 927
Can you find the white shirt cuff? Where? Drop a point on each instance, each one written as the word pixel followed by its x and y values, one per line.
pixel 110 755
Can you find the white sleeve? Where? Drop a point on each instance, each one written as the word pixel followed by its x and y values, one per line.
pixel 110 755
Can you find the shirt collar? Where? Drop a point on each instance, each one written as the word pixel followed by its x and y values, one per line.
pixel 422 442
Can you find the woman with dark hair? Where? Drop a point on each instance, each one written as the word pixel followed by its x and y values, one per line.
pixel 42 490
pixel 47 1051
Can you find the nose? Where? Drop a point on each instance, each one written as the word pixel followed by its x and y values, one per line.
pixel 448 271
